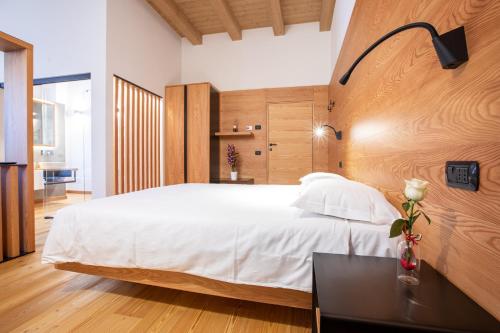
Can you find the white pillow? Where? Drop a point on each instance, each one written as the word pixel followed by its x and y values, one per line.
pixel 309 178
pixel 347 199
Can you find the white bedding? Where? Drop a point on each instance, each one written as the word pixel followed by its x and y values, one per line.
pixel 246 234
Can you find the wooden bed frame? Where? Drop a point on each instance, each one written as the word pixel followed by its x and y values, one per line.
pixel 197 284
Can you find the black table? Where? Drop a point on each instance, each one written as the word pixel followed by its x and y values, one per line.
pixel 363 294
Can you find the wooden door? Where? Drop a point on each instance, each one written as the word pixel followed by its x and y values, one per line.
pixel 198 133
pixel 289 142
pixel 174 136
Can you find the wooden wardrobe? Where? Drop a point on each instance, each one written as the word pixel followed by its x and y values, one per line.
pixel 191 150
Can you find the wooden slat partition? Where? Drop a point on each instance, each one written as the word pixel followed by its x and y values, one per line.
pixel 136 140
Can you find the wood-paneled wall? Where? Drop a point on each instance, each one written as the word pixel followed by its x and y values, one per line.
pixel 403 116
pixel 136 146
pixel 249 107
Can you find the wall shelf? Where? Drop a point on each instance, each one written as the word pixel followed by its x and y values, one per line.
pixel 233 134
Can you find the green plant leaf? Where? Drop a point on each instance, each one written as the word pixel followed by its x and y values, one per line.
pixel 406 206
pixel 397 228
pixel 427 218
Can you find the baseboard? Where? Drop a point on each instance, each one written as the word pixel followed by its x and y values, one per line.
pixel 78 192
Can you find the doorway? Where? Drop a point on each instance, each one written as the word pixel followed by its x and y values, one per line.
pixel 290 140
pixel 61 142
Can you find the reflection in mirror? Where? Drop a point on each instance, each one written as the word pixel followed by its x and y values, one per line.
pixel 44 123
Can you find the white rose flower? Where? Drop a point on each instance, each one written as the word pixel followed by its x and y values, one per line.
pixel 416 189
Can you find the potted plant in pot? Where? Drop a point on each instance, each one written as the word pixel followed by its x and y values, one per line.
pixel 232 159
pixel 408 250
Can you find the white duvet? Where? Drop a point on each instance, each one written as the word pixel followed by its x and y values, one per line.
pixel 246 234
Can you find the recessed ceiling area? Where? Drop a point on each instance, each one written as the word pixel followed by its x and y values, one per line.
pixel 194 18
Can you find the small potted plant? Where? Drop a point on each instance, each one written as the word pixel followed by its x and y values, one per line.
pixel 408 250
pixel 232 159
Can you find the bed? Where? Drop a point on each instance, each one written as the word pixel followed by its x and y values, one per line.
pixel 239 241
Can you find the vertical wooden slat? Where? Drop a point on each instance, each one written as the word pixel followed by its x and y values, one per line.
pixel 150 134
pixel 144 131
pixel 141 141
pixel 115 131
pixel 132 139
pixel 152 126
pixel 122 139
pixel 155 124
pixel 138 134
pixel 153 133
pixel 157 142
pixel 153 129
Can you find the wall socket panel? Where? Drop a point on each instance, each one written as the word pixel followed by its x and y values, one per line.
pixel 462 174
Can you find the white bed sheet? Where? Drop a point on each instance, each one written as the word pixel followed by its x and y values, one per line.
pixel 246 234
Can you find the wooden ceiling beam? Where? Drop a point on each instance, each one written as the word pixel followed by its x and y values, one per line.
pixel 177 19
pixel 227 18
pixel 325 21
pixel 277 17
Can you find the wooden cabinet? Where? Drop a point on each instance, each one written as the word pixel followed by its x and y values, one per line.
pixel 174 171
pixel 191 120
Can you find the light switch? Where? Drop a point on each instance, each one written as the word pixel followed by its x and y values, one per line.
pixel 462 174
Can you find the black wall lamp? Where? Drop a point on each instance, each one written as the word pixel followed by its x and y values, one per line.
pixel 451 47
pixel 320 131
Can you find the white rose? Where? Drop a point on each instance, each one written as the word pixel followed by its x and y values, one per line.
pixel 416 189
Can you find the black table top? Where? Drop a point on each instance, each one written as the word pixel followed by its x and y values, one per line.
pixel 366 289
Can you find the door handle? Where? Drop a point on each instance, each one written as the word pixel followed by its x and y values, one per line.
pixel 271 146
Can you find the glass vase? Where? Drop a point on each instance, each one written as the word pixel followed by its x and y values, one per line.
pixel 408 261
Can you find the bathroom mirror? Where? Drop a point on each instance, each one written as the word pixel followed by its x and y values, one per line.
pixel 44 123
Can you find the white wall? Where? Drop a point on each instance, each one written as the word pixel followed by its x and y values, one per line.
pixel 341 17
pixel 69 37
pixel 260 60
pixel 141 47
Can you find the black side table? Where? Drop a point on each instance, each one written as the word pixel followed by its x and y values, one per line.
pixel 363 294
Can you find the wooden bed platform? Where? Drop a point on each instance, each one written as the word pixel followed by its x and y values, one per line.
pixel 197 284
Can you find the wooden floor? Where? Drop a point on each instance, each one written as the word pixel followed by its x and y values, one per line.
pixel 36 297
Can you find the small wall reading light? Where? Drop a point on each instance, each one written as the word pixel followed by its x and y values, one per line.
pixel 451 47
pixel 320 131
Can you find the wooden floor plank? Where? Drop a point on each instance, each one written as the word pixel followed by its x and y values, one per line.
pixel 36 297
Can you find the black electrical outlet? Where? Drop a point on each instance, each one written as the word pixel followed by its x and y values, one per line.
pixel 258 127
pixel 462 174
pixel 258 152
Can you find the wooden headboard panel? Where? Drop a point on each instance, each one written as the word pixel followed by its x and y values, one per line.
pixel 403 116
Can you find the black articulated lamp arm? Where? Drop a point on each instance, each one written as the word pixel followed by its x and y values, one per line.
pixel 450 47
pixel 338 134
